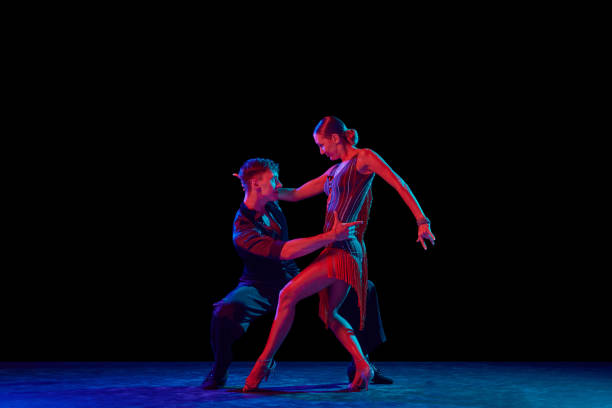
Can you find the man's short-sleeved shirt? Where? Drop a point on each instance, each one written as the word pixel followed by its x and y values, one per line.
pixel 259 245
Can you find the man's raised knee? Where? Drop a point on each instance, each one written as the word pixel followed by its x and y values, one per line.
pixel 371 287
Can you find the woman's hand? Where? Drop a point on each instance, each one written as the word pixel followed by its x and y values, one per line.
pixel 342 231
pixel 425 233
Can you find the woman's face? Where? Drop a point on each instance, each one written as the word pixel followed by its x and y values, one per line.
pixel 327 146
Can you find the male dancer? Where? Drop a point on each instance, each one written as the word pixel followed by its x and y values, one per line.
pixel 261 240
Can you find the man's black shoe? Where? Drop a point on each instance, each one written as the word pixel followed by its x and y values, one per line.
pixel 379 378
pixel 213 381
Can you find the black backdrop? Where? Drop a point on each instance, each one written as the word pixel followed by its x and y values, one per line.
pixel 128 238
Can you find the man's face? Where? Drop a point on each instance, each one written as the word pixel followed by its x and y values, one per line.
pixel 267 185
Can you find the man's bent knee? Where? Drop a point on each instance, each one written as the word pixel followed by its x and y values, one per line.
pixel 371 287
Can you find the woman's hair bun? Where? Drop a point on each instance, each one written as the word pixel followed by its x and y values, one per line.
pixel 351 136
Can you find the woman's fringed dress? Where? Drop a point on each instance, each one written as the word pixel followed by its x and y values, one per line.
pixel 350 195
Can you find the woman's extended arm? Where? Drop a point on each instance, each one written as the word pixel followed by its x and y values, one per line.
pixel 307 190
pixel 370 161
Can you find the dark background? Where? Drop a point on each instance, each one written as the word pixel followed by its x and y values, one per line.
pixel 128 205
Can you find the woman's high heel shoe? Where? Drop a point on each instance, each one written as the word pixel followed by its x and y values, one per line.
pixel 362 378
pixel 261 371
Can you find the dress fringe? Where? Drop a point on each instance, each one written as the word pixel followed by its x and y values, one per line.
pixel 343 266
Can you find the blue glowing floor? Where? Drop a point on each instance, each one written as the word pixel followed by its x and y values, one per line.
pixel 301 384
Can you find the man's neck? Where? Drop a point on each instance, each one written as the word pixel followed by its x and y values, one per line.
pixel 254 202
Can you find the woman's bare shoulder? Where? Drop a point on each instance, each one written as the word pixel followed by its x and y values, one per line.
pixel 365 157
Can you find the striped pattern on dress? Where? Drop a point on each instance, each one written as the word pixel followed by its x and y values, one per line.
pixel 350 194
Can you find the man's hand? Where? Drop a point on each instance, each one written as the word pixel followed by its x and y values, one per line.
pixel 343 231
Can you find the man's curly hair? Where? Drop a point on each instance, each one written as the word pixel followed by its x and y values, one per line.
pixel 254 167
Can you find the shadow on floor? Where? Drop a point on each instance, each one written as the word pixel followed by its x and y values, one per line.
pixel 316 388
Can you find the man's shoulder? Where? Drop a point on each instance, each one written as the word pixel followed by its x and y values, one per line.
pixel 241 220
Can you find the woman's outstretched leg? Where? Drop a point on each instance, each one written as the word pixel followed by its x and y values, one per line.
pixel 311 280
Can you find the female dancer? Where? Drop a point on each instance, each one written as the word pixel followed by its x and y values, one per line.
pixel 343 264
